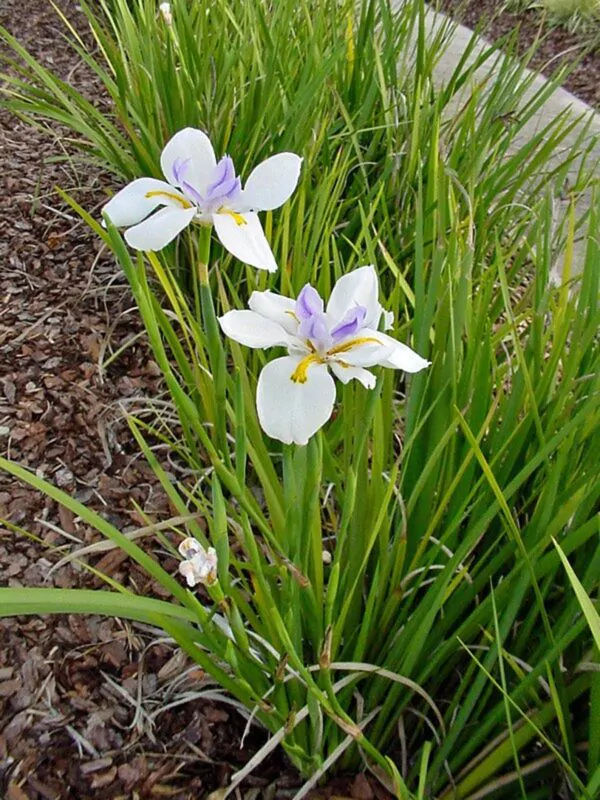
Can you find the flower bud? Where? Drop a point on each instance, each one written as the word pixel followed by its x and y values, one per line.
pixel 199 565
pixel 165 12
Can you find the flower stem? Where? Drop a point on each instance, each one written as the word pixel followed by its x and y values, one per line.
pixel 204 254
pixel 216 352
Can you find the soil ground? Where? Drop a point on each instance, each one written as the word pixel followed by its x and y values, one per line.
pixel 85 703
pixel 556 46
pixel 81 698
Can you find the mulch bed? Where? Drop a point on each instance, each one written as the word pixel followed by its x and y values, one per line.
pixel 556 45
pixel 81 699
pixel 77 694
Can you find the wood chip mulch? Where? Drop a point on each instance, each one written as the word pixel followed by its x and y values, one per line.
pixel 82 698
pixel 556 45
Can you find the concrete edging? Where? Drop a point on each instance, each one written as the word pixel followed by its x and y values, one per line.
pixel 557 103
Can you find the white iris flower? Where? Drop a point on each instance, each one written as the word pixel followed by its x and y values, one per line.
pixel 199 565
pixel 296 393
pixel 200 189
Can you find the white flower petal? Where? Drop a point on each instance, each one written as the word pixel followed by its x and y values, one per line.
pixel 253 330
pixel 186 568
pixel 193 146
pixel 291 411
pixel 243 236
pixel 271 183
pixel 205 565
pixel 402 357
pixel 158 230
pixel 345 373
pixel 395 354
pixel 388 320
pixel 131 205
pixel 357 288
pixel 367 349
pixel 201 567
pixel 374 347
pixel 189 547
pixel 277 308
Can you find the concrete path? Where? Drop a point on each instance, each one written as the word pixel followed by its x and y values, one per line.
pixel 556 104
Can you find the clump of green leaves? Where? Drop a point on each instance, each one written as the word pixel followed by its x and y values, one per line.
pixel 349 87
pixel 439 638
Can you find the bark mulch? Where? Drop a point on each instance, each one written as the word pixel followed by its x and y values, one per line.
pixel 86 703
pixel 81 698
pixel 555 45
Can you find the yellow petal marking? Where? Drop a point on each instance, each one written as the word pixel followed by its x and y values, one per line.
pixel 299 374
pixel 170 196
pixel 239 219
pixel 350 345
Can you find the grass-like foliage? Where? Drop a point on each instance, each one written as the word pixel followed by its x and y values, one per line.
pixel 439 638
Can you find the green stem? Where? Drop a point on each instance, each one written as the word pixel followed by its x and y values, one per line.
pixel 313 546
pixel 216 352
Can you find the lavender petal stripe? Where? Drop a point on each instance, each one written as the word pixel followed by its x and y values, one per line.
pixel 236 189
pixel 180 167
pixel 192 193
pixel 315 329
pixel 308 302
pixel 226 190
pixel 224 173
pixel 350 324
